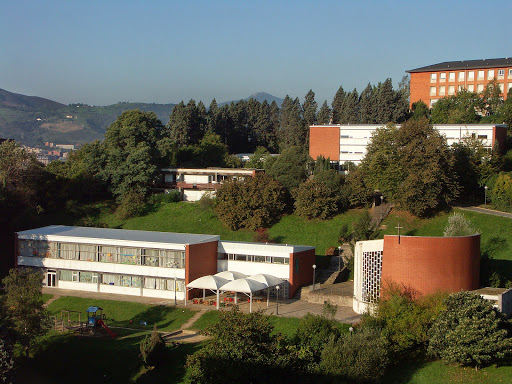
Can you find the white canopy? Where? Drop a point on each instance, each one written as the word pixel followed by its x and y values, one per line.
pixel 243 285
pixel 268 280
pixel 231 275
pixel 208 282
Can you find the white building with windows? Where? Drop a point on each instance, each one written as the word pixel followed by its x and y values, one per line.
pixel 152 264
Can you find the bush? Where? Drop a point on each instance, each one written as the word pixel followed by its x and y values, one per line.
pixel 131 205
pixel 458 225
pixel 171 196
pixel 152 349
pixel 261 236
pixel 256 202
pixel 314 200
pixel 207 201
pixel 358 356
pixel 470 332
pixel 6 363
pixel 314 331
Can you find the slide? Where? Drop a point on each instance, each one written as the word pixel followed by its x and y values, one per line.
pixel 100 322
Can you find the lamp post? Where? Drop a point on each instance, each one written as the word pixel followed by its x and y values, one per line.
pixel 277 303
pixel 381 207
pixel 314 269
pixel 175 291
pixel 485 195
pixel 339 258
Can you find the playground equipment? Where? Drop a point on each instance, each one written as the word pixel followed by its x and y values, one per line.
pixel 95 319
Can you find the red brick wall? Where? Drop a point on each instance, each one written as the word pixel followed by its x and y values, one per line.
pixel 420 83
pixel 200 260
pixel 499 134
pixel 324 141
pixel 431 264
pixel 301 270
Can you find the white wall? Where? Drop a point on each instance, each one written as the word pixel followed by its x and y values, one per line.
pixel 258 249
pixel 77 286
pixel 359 306
pixel 193 194
pixel 249 268
pixel 196 179
pixel 105 288
pixel 162 294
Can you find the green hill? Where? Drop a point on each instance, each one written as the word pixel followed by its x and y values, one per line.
pixel 34 120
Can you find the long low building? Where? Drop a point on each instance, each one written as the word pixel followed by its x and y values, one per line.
pixel 347 142
pixel 152 264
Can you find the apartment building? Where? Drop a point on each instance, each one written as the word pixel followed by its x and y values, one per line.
pixel 433 82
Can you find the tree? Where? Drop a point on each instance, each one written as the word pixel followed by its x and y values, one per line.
pixel 152 349
pixel 309 109
pixel 324 114
pixel 24 306
pixel 132 156
pixel 337 105
pixel 244 350
pixel 314 331
pixel 253 203
pixel 367 106
pixel 349 112
pixel 359 356
pixel 291 167
pixel 458 225
pixel 292 132
pixel 6 363
pixel 457 109
pixel 314 200
pixel 258 158
pixel 412 166
pixel 420 110
pixel 470 332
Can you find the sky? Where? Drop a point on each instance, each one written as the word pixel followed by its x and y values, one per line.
pixel 156 51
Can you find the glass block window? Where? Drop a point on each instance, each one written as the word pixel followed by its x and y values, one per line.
pixel 372 271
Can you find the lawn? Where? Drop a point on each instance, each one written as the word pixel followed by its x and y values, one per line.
pixel 126 314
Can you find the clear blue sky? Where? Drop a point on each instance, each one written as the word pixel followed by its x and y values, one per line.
pixel 102 52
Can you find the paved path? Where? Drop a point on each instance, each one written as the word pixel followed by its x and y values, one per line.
pixel 487 211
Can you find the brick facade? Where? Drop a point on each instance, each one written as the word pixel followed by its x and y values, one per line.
pixel 325 141
pixel 432 264
pixel 200 260
pixel 301 270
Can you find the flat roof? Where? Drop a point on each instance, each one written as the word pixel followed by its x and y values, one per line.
pixel 466 64
pixel 281 247
pixel 117 234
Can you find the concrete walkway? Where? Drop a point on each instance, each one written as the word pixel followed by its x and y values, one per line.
pixel 487 211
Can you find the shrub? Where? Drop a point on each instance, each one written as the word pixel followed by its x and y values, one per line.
pixel 152 349
pixel 358 356
pixel 131 205
pixel 470 332
pixel 207 201
pixel 458 225
pixel 314 200
pixel 6 363
pixel 314 331
pixel 261 236
pixel 253 203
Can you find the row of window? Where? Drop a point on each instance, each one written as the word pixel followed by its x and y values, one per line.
pixel 103 253
pixel 254 258
pixel 470 88
pixel 470 75
pixel 122 280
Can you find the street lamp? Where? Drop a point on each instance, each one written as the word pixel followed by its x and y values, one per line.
pixel 485 195
pixel 339 258
pixel 381 207
pixel 175 291
pixel 314 269
pixel 277 295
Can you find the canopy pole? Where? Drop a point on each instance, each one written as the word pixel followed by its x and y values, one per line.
pixel 217 302
pixel 204 295
pixel 250 304
pixel 236 298
pixel 268 295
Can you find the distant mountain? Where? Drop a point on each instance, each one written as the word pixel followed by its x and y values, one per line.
pixel 33 120
pixel 259 96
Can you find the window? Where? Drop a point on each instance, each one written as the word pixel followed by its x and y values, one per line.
pixel 442 90
pixel 510 72
pixel 509 87
pixel 460 88
pixel 451 90
pixel 432 102
pixel 480 88
pixel 501 73
pixel 501 87
pixel 74 276
pixel 432 91
pixel 85 277
pixel 490 74
pixel 471 75
pixel 451 76
pixel 482 136
pixel 433 77
pixel 442 77
pixel 480 75
pixel 65 275
pixel 471 88
pixel 461 76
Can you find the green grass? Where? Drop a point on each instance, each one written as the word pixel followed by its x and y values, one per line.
pixel 120 313
pixel 46 297
pixel 422 372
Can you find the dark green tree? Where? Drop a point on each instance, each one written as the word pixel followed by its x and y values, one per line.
pixel 291 167
pixel 470 332
pixel 349 113
pixel 324 114
pixel 458 109
pixel 309 109
pixel 24 306
pixel 314 331
pixel 314 200
pixel 385 102
pixel 293 131
pixel 256 202
pixel 367 106
pixel 337 104
pixel 132 156
pixel 152 349
pixel 420 111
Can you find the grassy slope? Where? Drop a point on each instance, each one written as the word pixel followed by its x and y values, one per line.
pixel 119 313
